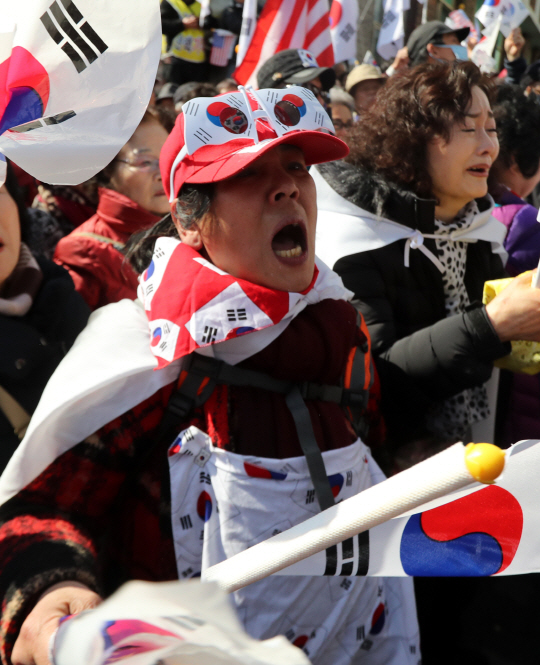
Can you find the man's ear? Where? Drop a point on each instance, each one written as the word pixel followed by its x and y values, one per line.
pixel 192 236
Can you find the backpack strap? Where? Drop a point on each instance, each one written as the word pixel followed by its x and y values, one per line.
pixel 201 374
pixel 358 379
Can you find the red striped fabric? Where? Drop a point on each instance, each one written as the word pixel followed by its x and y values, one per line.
pixel 287 24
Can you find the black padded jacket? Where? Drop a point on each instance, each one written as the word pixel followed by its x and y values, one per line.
pixel 421 355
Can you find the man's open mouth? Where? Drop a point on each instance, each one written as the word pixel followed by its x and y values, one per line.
pixel 290 242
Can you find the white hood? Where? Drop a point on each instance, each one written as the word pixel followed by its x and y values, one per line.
pixel 344 229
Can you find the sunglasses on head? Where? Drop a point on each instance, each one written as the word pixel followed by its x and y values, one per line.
pixel 218 120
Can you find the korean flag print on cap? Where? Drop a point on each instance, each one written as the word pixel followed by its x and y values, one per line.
pixel 223 119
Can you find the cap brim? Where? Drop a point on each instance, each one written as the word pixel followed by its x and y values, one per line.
pixel 317 147
pixel 326 75
pixel 460 33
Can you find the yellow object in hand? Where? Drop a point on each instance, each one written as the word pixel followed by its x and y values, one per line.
pixel 484 461
pixel 525 356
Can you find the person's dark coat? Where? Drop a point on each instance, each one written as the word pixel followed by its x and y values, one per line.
pixel 33 345
pixel 422 356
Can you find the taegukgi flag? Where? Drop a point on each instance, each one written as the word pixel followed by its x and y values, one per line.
pixel 392 31
pixel 513 14
pixel 475 532
pixel 343 27
pixel 489 12
pixel 75 79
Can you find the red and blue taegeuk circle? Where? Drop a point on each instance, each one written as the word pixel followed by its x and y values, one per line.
pixel 204 506
pixel 260 472
pixel 475 536
pixel 25 93
pixel 156 337
pixel 223 115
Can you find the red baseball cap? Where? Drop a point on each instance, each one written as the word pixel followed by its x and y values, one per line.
pixel 212 163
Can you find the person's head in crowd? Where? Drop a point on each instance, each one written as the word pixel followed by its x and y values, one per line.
pixel 227 85
pixel 363 84
pixel 530 81
pixel 341 111
pixel 270 238
pixel 165 97
pixel 134 172
pixel 435 41
pixel 190 90
pixel 296 67
pixel 518 126
pixel 432 133
pixel 341 70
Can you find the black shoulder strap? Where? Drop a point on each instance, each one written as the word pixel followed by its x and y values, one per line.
pixel 201 374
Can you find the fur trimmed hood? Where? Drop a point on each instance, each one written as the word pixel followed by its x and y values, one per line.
pixel 359 211
pixel 372 192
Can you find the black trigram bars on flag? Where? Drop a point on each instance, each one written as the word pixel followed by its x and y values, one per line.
pixel 349 558
pixel 43 122
pixel 72 32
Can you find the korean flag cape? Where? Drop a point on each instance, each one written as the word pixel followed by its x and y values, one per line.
pixel 343 229
pixel 189 305
pixel 75 79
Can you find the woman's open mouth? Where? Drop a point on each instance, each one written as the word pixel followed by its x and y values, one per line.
pixel 290 242
pixel 480 171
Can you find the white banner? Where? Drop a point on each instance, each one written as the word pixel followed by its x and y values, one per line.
pixel 75 80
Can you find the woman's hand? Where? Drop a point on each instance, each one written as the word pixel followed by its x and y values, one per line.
pixel 514 44
pixel 515 311
pixel 32 645
pixel 190 22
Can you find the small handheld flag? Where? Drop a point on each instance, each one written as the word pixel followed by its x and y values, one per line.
pixel 448 471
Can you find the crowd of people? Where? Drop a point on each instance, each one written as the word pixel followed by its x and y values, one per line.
pixel 243 283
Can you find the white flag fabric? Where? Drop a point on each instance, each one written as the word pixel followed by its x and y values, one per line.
pixel 489 12
pixel 249 22
pixel 284 24
pixel 75 80
pixel 513 14
pixel 482 52
pixel 479 531
pixel 392 31
pixel 170 622
pixel 343 28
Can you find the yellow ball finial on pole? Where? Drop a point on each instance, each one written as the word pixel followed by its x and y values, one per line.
pixel 484 461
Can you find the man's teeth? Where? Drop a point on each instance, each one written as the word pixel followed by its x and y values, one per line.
pixel 289 253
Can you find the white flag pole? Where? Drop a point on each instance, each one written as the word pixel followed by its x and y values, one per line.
pixel 450 470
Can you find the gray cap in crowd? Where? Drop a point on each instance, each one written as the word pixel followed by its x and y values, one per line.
pixel 294 66
pixel 430 33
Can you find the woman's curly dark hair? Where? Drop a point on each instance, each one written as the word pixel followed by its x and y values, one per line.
pixel 414 107
pixel 518 129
